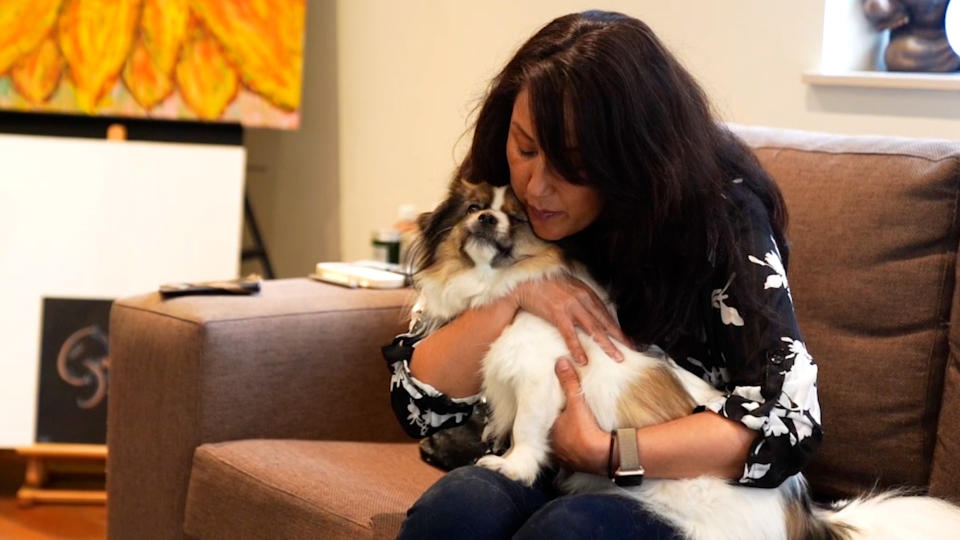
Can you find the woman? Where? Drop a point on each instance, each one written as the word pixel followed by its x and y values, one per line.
pixel 612 148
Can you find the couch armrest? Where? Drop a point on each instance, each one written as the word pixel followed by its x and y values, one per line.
pixel 299 360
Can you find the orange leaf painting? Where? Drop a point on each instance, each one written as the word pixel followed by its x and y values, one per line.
pixel 148 73
pixel 23 25
pixel 95 36
pixel 37 75
pixel 147 83
pixel 264 39
pixel 217 60
pixel 207 81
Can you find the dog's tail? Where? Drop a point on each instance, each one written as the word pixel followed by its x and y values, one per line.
pixel 806 520
pixel 891 515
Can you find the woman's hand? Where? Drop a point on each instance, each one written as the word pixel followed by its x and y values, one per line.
pixel 577 439
pixel 568 303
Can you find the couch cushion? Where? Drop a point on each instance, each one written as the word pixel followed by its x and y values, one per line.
pixel 873 226
pixel 303 489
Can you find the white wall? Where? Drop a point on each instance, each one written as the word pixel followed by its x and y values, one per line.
pixel 84 218
pixel 292 175
pixel 410 72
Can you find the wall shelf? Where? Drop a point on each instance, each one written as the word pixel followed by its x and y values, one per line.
pixel 886 79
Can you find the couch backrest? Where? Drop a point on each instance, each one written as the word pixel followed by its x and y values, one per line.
pixel 874 234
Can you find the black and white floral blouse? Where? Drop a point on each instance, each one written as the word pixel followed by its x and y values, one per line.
pixel 754 354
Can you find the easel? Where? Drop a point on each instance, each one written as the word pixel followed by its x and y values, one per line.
pixel 88 457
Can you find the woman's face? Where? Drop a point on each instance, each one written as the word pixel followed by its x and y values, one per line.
pixel 556 208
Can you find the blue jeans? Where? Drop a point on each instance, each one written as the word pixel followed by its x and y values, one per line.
pixel 473 502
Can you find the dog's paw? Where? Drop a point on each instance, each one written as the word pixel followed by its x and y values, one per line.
pixel 511 468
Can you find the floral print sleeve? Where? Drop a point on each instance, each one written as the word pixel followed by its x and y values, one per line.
pixel 768 376
pixel 421 409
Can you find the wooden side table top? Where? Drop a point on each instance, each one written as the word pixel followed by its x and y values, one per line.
pixel 64 451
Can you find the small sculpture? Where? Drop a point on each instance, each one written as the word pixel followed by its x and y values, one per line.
pixel 918 41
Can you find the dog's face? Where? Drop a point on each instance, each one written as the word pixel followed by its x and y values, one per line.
pixel 477 225
pixel 474 248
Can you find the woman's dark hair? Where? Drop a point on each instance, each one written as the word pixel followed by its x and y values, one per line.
pixel 647 141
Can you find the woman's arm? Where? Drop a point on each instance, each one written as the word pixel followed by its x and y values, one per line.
pixel 700 444
pixel 696 445
pixel 449 359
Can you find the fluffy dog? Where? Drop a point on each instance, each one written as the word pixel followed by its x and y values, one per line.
pixel 476 247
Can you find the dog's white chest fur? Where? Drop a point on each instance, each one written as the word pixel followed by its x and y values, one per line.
pixel 474 287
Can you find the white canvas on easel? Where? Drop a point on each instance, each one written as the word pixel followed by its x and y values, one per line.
pixel 87 218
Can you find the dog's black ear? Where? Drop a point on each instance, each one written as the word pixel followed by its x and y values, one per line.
pixel 423 221
pixel 433 227
pixel 416 257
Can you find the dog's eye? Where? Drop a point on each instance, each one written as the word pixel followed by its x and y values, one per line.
pixel 473 208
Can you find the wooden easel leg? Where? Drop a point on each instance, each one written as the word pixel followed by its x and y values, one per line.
pixel 34 478
pixel 36 473
pixel 25 497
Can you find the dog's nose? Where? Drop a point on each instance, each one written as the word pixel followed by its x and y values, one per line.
pixel 487 219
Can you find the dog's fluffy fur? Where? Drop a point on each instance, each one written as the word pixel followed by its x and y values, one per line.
pixel 475 248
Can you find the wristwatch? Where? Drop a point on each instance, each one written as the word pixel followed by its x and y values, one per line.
pixel 630 472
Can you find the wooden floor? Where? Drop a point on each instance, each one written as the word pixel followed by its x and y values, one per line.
pixel 43 521
pixel 50 522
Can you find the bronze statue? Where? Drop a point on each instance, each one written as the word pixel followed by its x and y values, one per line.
pixel 918 41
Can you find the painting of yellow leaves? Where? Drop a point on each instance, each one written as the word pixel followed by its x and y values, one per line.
pixel 211 60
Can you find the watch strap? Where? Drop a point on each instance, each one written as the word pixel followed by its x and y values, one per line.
pixel 629 452
pixel 630 472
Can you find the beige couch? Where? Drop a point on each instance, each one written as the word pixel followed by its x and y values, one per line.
pixel 268 416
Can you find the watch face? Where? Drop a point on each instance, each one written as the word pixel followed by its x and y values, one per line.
pixel 628 478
